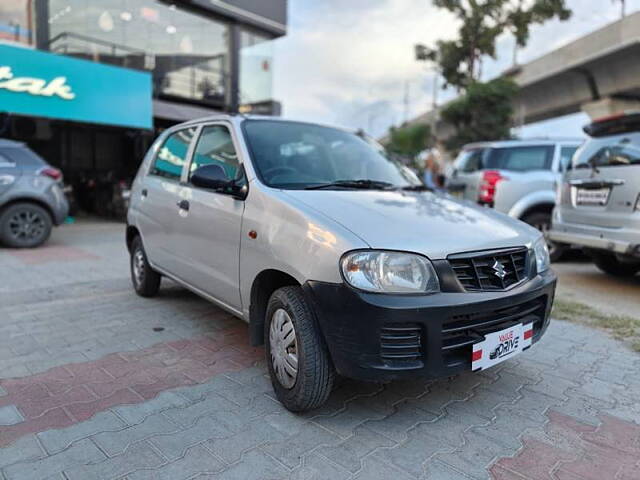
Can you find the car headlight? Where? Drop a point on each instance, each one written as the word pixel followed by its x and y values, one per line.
pixel 389 272
pixel 542 254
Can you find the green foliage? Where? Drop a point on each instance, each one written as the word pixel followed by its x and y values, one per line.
pixel 483 113
pixel 409 140
pixel 481 24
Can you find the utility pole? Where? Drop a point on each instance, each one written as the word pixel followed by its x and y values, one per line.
pixel 623 8
pixel 406 101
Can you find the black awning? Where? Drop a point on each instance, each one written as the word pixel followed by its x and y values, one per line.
pixel 179 111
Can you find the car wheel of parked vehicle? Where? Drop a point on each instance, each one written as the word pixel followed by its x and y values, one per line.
pixel 25 225
pixel 146 281
pixel 542 221
pixel 609 263
pixel 301 371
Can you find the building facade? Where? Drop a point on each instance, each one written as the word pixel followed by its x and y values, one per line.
pixel 88 84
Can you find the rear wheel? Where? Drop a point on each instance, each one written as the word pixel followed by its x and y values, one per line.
pixel 542 221
pixel 25 225
pixel 301 371
pixel 611 264
pixel 146 281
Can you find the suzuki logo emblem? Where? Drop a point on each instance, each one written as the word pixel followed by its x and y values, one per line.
pixel 499 270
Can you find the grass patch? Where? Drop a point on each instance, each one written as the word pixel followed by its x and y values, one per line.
pixel 622 327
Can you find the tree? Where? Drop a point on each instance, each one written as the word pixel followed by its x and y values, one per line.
pixel 483 113
pixel 482 22
pixel 409 140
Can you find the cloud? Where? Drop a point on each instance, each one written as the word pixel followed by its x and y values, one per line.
pixel 351 62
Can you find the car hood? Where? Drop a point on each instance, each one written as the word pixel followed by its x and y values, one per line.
pixel 422 222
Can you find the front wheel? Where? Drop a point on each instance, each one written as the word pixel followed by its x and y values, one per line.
pixel 146 281
pixel 611 264
pixel 301 371
pixel 542 221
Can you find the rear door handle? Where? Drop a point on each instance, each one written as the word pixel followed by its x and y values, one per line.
pixel 144 192
pixel 183 204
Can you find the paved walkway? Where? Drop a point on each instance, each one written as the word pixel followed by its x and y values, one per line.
pixel 97 383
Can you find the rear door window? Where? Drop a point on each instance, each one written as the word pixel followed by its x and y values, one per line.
pixel 172 155
pixel 470 160
pixel 521 159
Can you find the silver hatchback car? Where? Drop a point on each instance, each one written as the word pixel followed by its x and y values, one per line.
pixel 599 200
pixel 338 259
pixel 31 196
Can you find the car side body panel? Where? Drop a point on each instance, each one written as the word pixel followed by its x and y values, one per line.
pixel 291 238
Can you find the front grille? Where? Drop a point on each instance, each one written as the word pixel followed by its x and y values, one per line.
pixel 460 332
pixel 400 342
pixel 495 270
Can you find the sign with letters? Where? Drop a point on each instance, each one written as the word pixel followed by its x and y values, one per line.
pixel 42 84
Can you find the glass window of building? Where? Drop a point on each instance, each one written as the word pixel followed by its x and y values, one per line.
pixel 188 53
pixel 15 21
pixel 256 68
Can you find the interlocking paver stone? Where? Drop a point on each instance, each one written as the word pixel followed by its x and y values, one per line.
pixel 9 415
pixel 83 375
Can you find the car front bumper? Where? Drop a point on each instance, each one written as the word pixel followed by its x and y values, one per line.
pixel 377 337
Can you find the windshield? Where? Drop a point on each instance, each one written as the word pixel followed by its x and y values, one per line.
pixel 293 155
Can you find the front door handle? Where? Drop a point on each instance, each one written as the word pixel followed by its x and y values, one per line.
pixel 183 204
pixel 144 192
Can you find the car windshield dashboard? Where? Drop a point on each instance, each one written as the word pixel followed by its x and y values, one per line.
pixel 295 155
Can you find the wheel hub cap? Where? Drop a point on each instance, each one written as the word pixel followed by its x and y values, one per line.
pixel 283 348
pixel 138 266
pixel 26 225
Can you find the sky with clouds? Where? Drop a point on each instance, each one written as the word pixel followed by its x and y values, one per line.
pixel 351 62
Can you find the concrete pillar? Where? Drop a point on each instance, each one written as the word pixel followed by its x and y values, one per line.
pixel 609 106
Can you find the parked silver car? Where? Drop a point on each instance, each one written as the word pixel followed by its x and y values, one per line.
pixel 516 177
pixel 31 196
pixel 599 199
pixel 337 258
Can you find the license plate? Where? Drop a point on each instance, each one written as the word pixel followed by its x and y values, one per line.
pixel 592 197
pixel 500 346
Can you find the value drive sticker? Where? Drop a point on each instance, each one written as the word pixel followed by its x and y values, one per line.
pixel 500 346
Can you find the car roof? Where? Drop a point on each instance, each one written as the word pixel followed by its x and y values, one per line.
pixel 239 118
pixel 532 142
pixel 6 143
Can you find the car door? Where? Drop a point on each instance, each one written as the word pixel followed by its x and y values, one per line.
pixel 604 184
pixel 9 173
pixel 158 207
pixel 209 229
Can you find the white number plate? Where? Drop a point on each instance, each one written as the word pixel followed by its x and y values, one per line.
pixel 593 197
pixel 500 346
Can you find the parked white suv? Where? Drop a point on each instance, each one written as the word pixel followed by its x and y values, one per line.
pixel 339 260
pixel 516 177
pixel 599 200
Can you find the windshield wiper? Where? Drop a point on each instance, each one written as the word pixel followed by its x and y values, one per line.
pixel 416 188
pixel 356 184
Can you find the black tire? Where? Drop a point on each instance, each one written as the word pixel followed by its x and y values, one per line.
pixel 25 225
pixel 542 221
pixel 146 281
pixel 315 375
pixel 610 264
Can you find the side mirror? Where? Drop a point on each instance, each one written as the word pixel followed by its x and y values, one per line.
pixel 211 177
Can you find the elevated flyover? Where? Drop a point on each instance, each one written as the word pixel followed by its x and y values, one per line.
pixel 598 73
